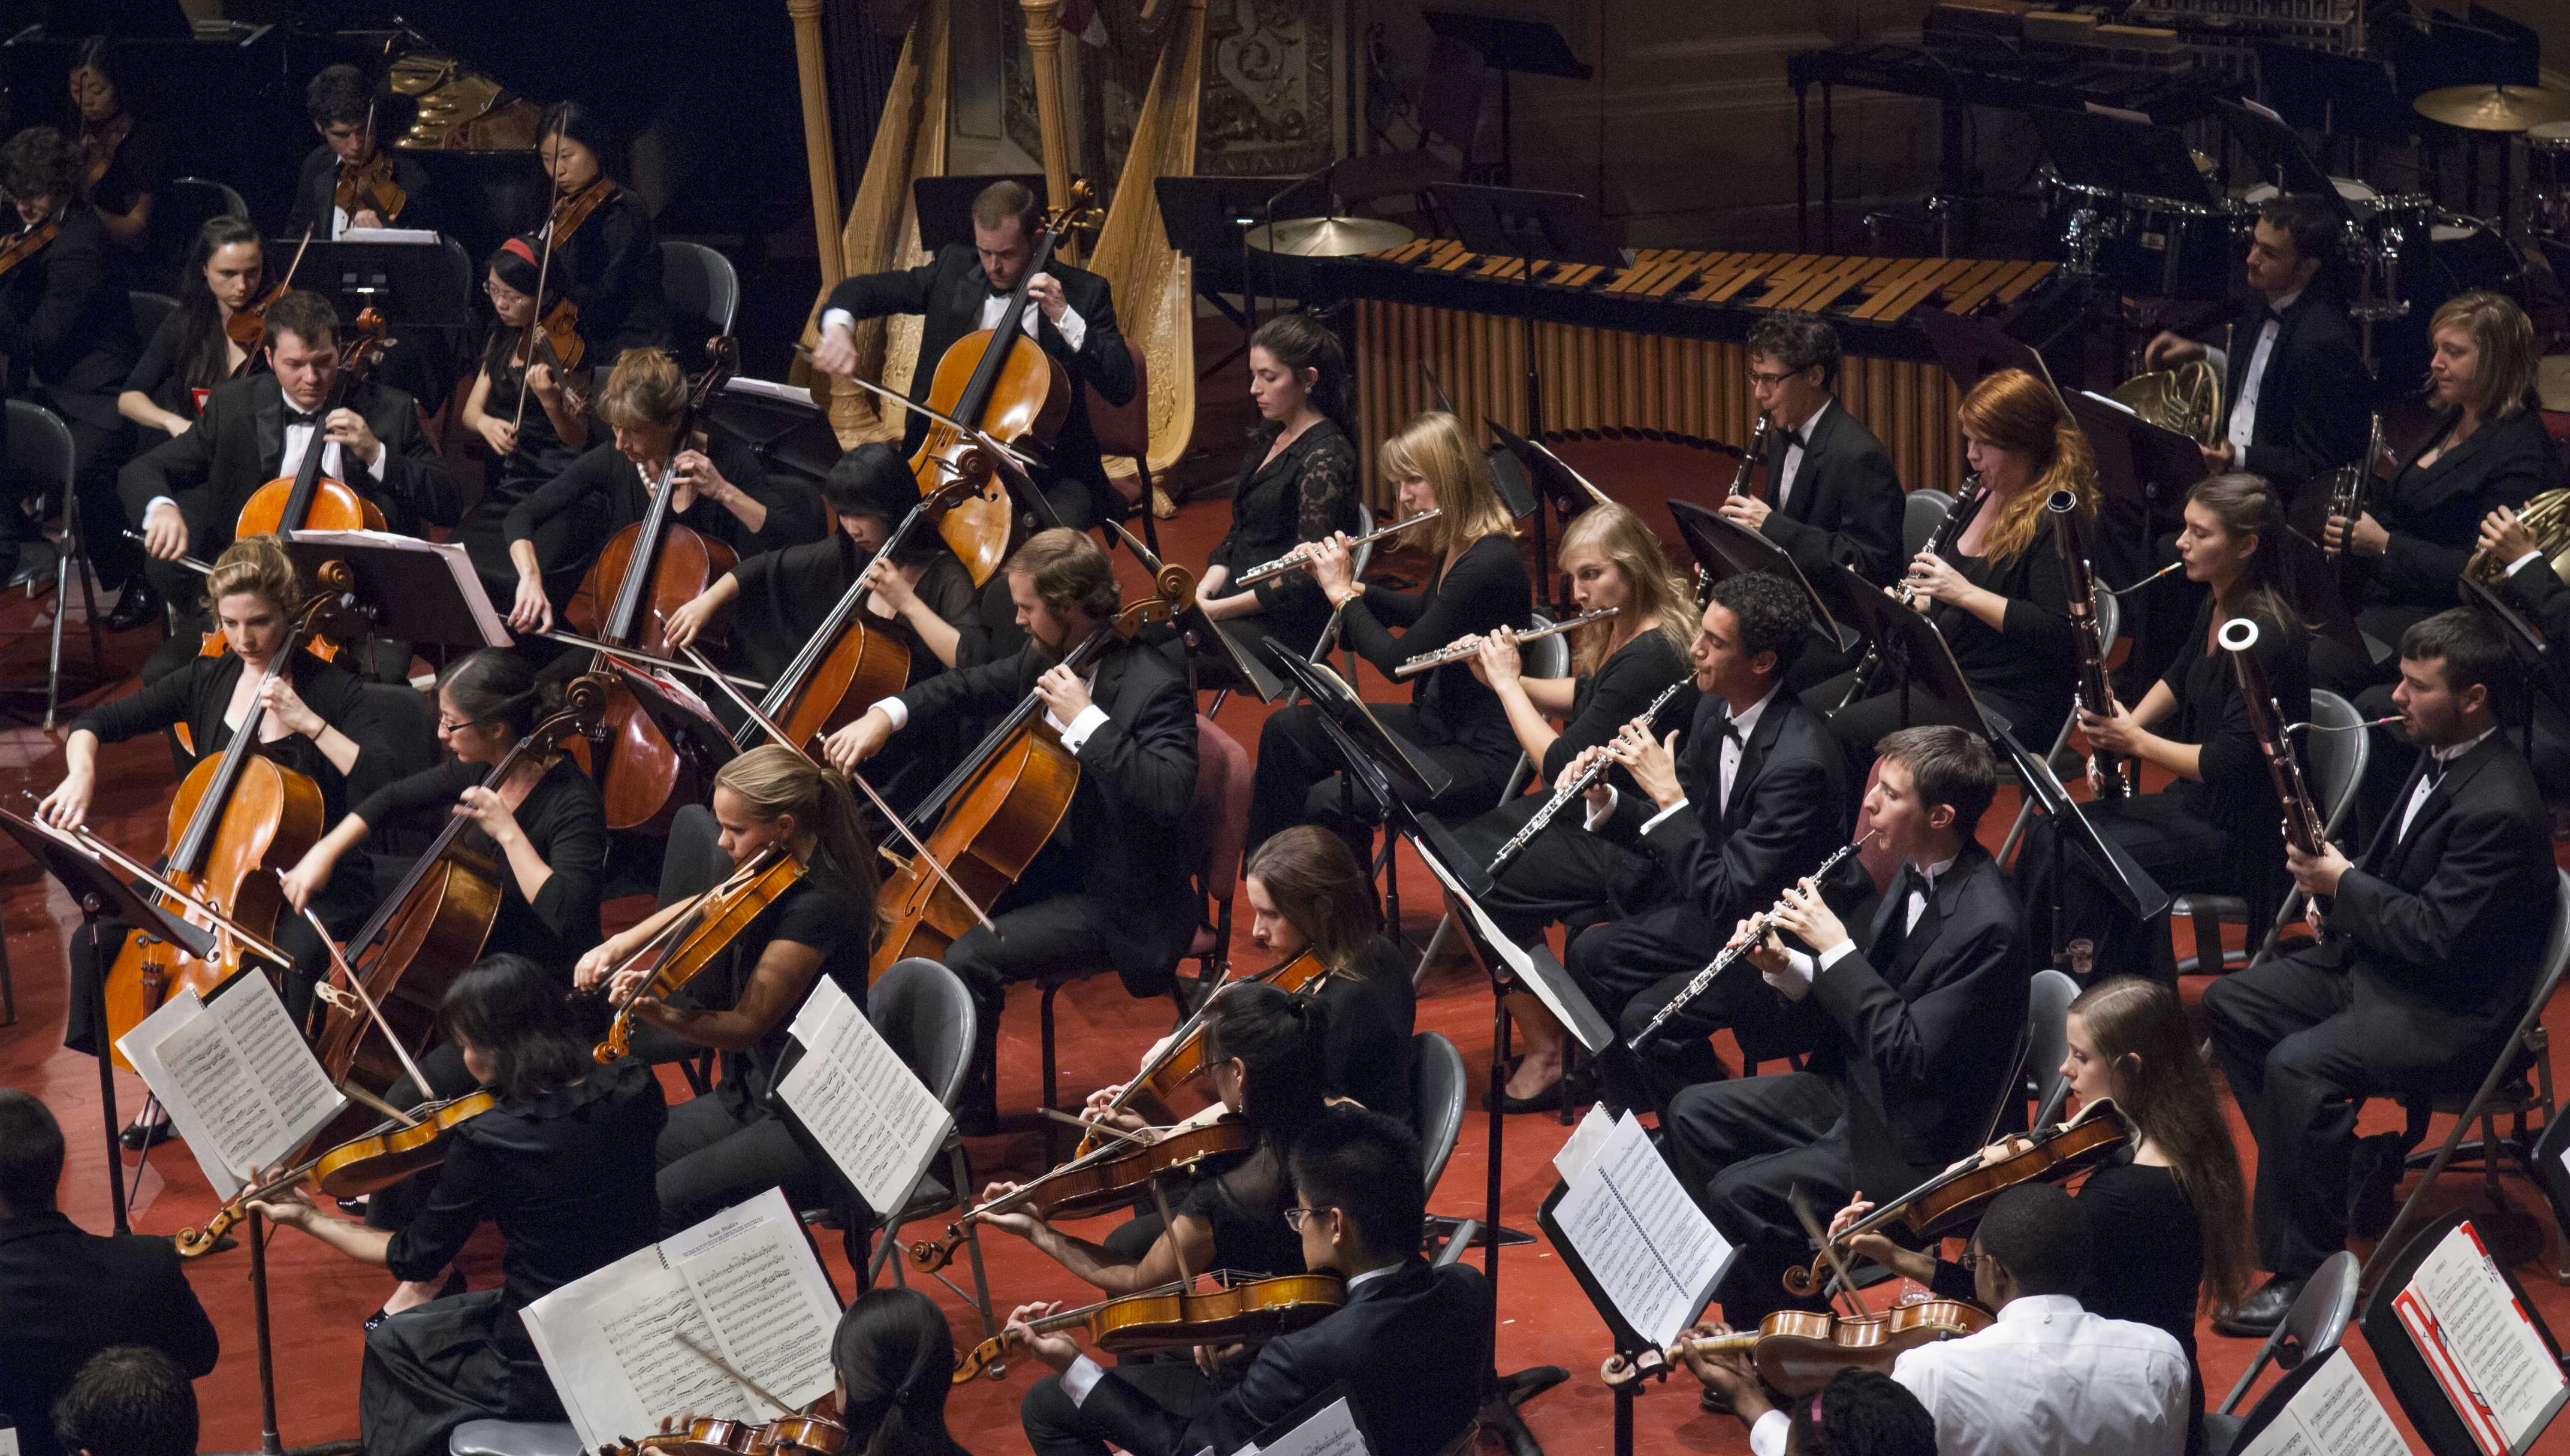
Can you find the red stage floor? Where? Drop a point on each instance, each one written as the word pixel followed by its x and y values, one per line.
pixel 319 1299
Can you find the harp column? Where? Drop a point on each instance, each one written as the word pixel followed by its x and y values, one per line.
pixel 823 167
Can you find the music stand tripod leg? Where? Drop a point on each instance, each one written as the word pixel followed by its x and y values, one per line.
pixel 98 964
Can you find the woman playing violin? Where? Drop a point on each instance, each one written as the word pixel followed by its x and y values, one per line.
pixel 721 1148
pixel 127 159
pixel 721 490
pixel 524 408
pixel 1297 484
pixel 895 1358
pixel 609 264
pixel 317 724
pixel 562 1166
pixel 1266 1056
pixel 192 349
pixel 2169 1211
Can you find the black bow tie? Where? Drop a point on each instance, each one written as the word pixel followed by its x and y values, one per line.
pixel 1730 729
pixel 2436 769
pixel 294 417
pixel 1792 440
pixel 2275 313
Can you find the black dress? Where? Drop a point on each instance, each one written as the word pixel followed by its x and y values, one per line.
pixel 1245 1206
pixel 158 377
pixel 610 267
pixel 2218 834
pixel 567 1176
pixel 139 168
pixel 1451 716
pixel 565 822
pixel 602 492
pixel 541 456
pixel 1372 1017
pixel 1307 491
pixel 1567 874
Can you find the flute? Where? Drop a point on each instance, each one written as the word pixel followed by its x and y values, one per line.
pixel 1294 557
pixel 1758 923
pixel 1458 651
pixel 1587 781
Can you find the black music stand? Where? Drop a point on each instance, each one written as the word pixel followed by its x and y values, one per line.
pixel 1726 549
pixel 2140 465
pixel 2526 644
pixel 944 204
pixel 1971 350
pixel 791 438
pixel 1569 492
pixel 2074 836
pixel 1208 218
pixel 401 587
pixel 2280 156
pixel 1932 687
pixel 1647 1361
pixel 1392 771
pixel 415 284
pixel 1509 44
pixel 2336 96
pixel 2405 1368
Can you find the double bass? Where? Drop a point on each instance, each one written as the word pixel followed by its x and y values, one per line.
pixel 652 568
pixel 238 819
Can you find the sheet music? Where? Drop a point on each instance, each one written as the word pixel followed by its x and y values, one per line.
pixel 1583 1020
pixel 742 1283
pixel 238 1081
pixel 2334 1414
pixel 867 1110
pixel 1333 1432
pixel 2479 1343
pixel 1647 1245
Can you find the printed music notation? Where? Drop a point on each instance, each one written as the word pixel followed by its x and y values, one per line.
pixel 241 1086
pixel 874 1118
pixel 2334 1414
pixel 1649 1246
pixel 2479 1343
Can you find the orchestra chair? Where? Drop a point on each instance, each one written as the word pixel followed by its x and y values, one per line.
pixel 2047 1022
pixel 40 463
pixel 149 310
pixel 698 282
pixel 190 204
pixel 2518 1083
pixel 2313 1329
pixel 926 1015
pixel 2064 763
pixel 1126 430
pixel 1217 835
pixel 1922 511
pixel 1438 1083
pixel 2335 763
pixel 514 1439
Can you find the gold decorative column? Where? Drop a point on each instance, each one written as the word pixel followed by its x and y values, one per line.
pixel 822 166
pixel 1043 47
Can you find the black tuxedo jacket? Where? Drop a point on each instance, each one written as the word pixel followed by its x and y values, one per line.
pixel 1845 509
pixel 66 1294
pixel 1413 1345
pixel 2434 516
pixel 2312 399
pixel 2444 926
pixel 2541 592
pixel 317 193
pixel 948 292
pixel 1138 777
pixel 239 445
pixel 1924 1049
pixel 64 314
pixel 1788 809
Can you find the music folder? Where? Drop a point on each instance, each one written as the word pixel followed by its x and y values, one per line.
pixel 2472 1365
pixel 1727 548
pixel 420 591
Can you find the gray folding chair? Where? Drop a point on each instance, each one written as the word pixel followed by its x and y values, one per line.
pixel 1437 1082
pixel 2047 1031
pixel 926 1015
pixel 1922 511
pixel 2108 619
pixel 149 311
pixel 697 281
pixel 2310 1331
pixel 2333 754
pixel 514 1439
pixel 40 455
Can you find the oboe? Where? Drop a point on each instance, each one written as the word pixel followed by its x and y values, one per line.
pixel 1756 928
pixel 2079 588
pixel 2302 821
pixel 1943 537
pixel 1586 780
pixel 1750 456
pixel 1458 651
pixel 1294 557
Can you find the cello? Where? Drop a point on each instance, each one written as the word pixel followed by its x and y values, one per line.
pixel 984 382
pixel 309 499
pixel 430 927
pixel 654 567
pixel 995 812
pixel 237 821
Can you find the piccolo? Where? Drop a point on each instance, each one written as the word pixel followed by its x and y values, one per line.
pixel 1470 646
pixel 1757 931
pixel 1587 781
pixel 1294 557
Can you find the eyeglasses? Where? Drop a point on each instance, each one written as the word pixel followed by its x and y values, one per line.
pixel 1769 381
pixel 1971 1260
pixel 446 724
pixel 1296 1218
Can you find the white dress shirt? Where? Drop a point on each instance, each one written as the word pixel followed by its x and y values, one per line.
pixel 1795 979
pixel 1794 458
pixel 1731 746
pixel 1074 733
pixel 2427 782
pixel 2047 1378
pixel 2244 411
pixel 1072 328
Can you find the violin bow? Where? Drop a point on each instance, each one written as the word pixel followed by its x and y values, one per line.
pixel 779 734
pixel 374 1014
pixel 1812 1225
pixel 544 269
pixel 719 1363
pixel 81 838
pixel 916 408
pixel 680 922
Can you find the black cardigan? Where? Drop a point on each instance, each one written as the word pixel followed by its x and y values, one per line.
pixel 1307 491
pixel 2028 666
pixel 2434 516
pixel 563 817
pixel 200 691
pixel 1485 590
pixel 1603 702
pixel 611 268
pixel 610 493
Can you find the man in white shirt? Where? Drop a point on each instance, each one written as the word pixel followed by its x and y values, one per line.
pixel 2046 1378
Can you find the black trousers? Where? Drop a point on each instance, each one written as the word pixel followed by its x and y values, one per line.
pixel 342 906
pixel 1058 933
pixel 1742 1148
pixel 2178 850
pixel 1297 781
pixel 98 450
pixel 2302 1051
pixel 1055 1427
pixel 1633 967
pixel 712 1157
pixel 1564 875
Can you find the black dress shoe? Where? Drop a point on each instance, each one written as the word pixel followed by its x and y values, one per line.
pixel 34 563
pixel 1712 1401
pixel 2260 1313
pixel 1547 1100
pixel 138 606
pixel 139 1136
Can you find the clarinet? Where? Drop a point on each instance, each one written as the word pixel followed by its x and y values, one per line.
pixel 1587 781
pixel 1696 985
pixel 1750 456
pixel 2079 588
pixel 2302 821
pixel 1943 537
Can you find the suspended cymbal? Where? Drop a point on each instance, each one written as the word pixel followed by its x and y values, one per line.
pixel 2494 107
pixel 1330 237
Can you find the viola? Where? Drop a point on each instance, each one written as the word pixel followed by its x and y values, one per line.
pixel 571 211
pixel 791 1435
pixel 646 571
pixel 694 939
pixel 248 327
pixel 1173 1316
pixel 309 499
pixel 239 819
pixel 377 1160
pixel 1960 1194
pixel 368 186
pixel 999 807
pixel 1798 1351
pixel 1181 1057
pixel 26 243
pixel 1108 1179
pixel 432 926
pixel 984 382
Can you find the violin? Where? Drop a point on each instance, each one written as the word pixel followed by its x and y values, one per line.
pixel 690 940
pixel 238 819
pixel 1798 1351
pixel 1181 1057
pixel 984 382
pixel 378 1160
pixel 554 342
pixel 248 327
pixel 368 187
pixel 646 571
pixel 309 499
pixel 569 212
pixel 1960 1194
pixel 431 926
pixel 1094 1182
pixel 1173 1316
pixel 995 812
pixel 26 242
pixel 791 1435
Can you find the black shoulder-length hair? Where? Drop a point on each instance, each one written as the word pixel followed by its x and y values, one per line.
pixel 512 1011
